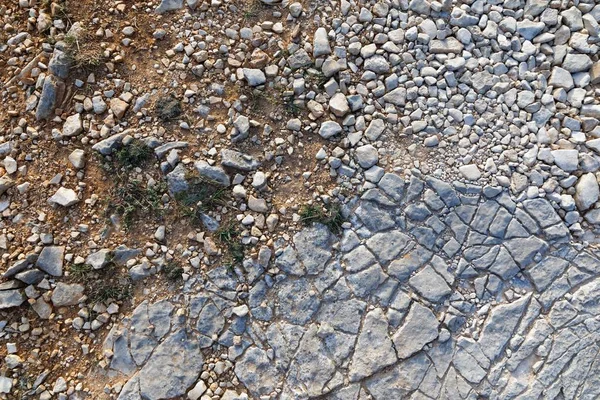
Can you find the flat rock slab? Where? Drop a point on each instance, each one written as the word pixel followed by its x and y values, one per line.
pixel 11 298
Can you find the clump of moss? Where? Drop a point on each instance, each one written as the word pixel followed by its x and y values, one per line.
pixel 173 271
pixel 168 108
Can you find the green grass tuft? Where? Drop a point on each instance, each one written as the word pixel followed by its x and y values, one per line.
pixel 331 217
pixel 80 272
pixel 103 291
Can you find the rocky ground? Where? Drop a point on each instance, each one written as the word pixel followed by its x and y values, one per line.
pixel 260 199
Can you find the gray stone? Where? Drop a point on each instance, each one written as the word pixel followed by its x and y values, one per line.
pixel 257 372
pixel 321 43
pixel 446 46
pixel 377 64
pixel 51 260
pixel 176 180
pixel 358 259
pixel 483 81
pixel 374 349
pixel 11 298
pixel 166 148
pixel 106 146
pixel 400 381
pixel 168 5
pixel 542 211
pixel 6 183
pixel 388 245
pixel 587 191
pixel 172 369
pixel 561 78
pixel 364 283
pixel 344 316
pixel 375 129
pixel 500 325
pixel 311 368
pixel 10 165
pixel 397 97
pixel 546 271
pixel 420 6
pixel 59 64
pixel 298 301
pixel 48 98
pixel 430 285
pixel 212 173
pixel 329 129
pixel 254 77
pixel 470 171
pixel 338 105
pixel 64 197
pixel 237 160
pixel 210 324
pixel 99 105
pixel 420 327
pixel 445 191
pixel 404 266
pixel 367 156
pixel 314 248
pixel 590 110
pixel 66 295
pixel 577 62
pixel 73 126
pixel 529 29
pixel 468 367
pixel 77 158
pixel 572 18
pixel 30 276
pixel 17 267
pixel 98 259
pixel 299 59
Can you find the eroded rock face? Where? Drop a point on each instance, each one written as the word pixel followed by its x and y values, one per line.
pixel 389 312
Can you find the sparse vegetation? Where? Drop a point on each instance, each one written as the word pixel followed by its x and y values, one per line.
pixel 292 108
pixel 251 9
pixel 101 291
pixel 259 99
pixel 202 196
pixel 131 199
pixel 228 235
pixel 316 78
pixel 172 271
pixel 80 272
pixel 330 216
pixel 103 284
pixel 83 51
pixel 133 155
